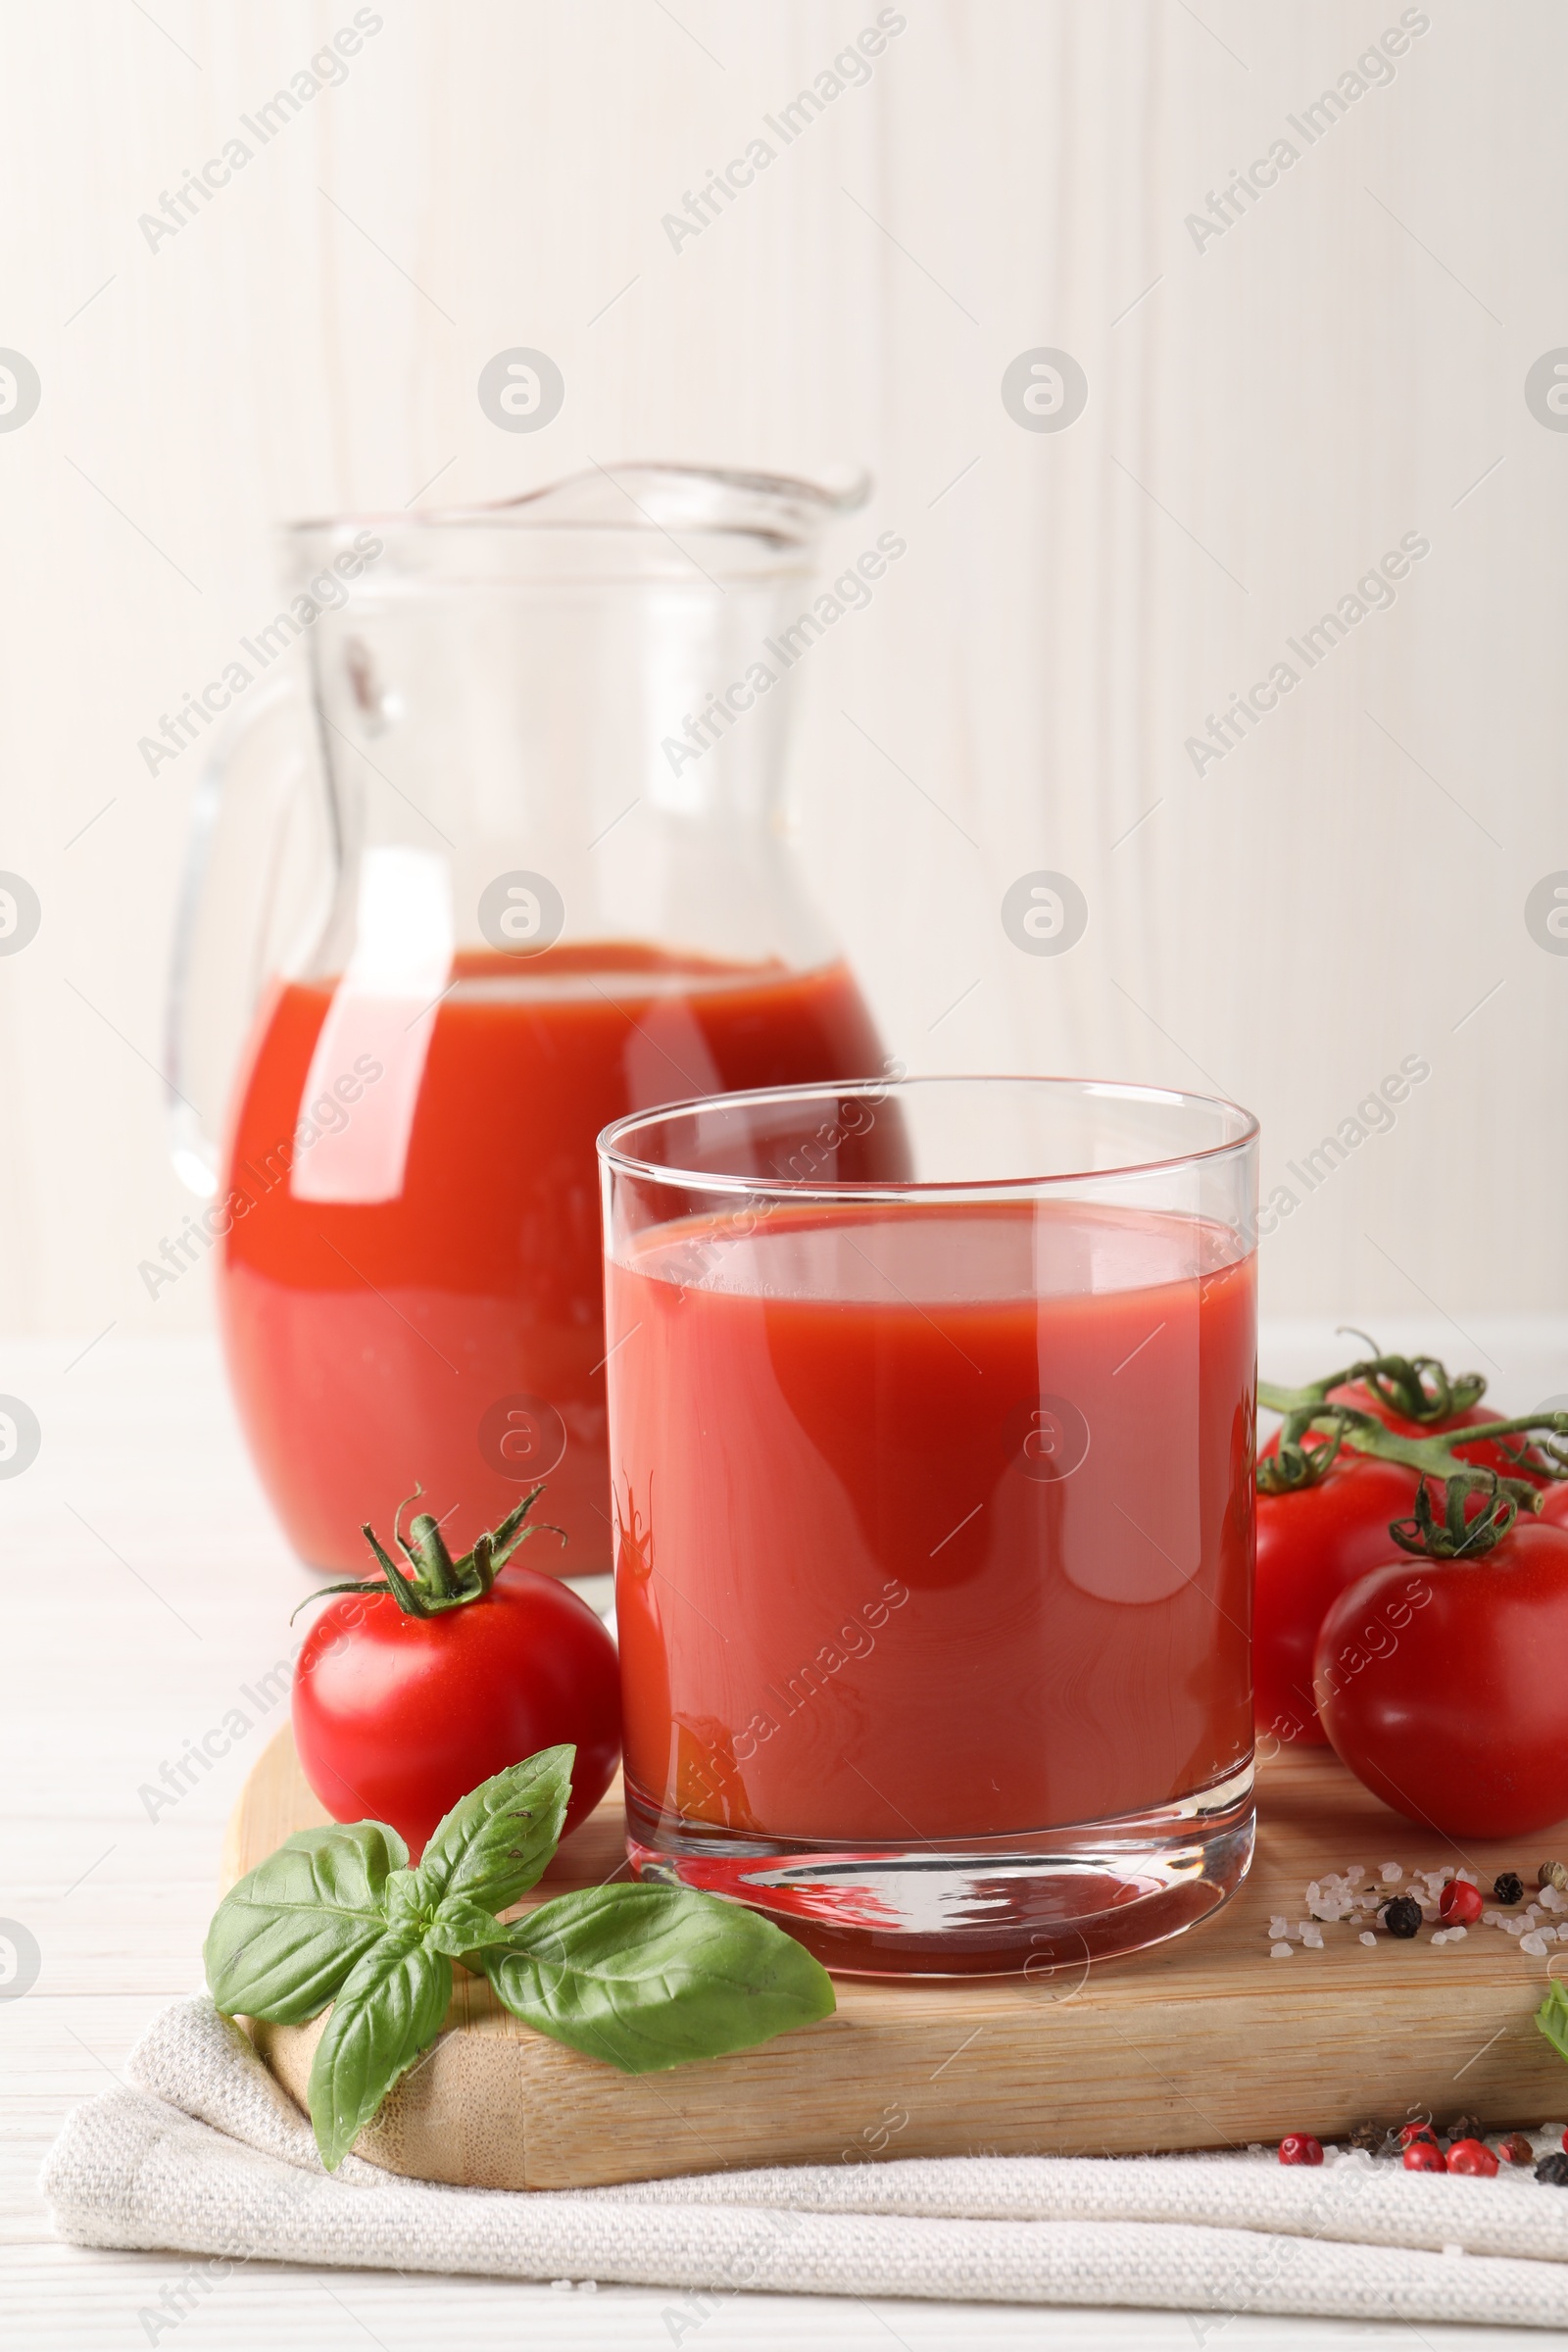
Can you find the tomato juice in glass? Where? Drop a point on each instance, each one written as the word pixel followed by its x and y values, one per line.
pixel 410 1283
pixel 934 1511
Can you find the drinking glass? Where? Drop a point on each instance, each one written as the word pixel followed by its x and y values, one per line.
pixel 932 1419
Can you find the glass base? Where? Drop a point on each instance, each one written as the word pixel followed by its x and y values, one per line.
pixel 1044 1905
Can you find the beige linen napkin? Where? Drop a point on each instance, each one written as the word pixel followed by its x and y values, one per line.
pixel 207 2155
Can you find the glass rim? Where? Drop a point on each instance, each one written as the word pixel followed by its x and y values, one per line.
pixel 840 491
pixel 616 1159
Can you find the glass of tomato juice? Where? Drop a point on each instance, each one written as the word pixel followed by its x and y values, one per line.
pixel 932 1416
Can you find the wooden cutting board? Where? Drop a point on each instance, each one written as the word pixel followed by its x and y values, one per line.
pixel 1205 2042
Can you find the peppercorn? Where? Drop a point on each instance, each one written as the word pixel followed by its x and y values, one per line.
pixel 1466 2126
pixel 1459 1903
pixel 1410 2132
pixel 1424 2156
pixel 1516 2149
pixel 1471 2156
pixel 1508 1887
pixel 1553 1874
pixel 1553 2170
pixel 1300 2147
pixel 1370 2136
pixel 1403 1917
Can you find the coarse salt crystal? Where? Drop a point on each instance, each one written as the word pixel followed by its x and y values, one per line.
pixel 1364 1937
pixel 1392 1871
pixel 1353 1870
pixel 1440 1936
pixel 1314 1940
pixel 1533 1944
pixel 1457 1933
pixel 1278 1927
pixel 1468 1875
pixel 1279 1951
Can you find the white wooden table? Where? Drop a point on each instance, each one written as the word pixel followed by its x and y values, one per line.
pixel 142 1584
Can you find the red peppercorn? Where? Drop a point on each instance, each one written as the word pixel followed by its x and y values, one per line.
pixel 1410 2132
pixel 1300 2147
pixel 1516 2149
pixel 1459 1903
pixel 1472 2156
pixel 1423 2156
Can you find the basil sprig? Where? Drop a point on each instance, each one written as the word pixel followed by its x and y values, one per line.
pixel 1551 2018
pixel 640 1977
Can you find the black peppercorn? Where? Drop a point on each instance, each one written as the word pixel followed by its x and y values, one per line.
pixel 1509 1888
pixel 1553 2170
pixel 1370 2136
pixel 1466 2126
pixel 1403 1917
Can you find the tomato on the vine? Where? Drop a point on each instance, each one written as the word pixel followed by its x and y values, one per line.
pixel 1439 1681
pixel 1481 1456
pixel 411 1690
pixel 1554 1503
pixel 1315 1540
pixel 1311 1544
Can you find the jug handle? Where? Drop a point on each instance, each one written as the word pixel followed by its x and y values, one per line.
pixel 280 702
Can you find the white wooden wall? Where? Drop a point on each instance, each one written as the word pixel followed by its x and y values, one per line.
pixel 1266 417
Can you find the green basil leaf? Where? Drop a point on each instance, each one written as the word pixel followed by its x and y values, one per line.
pixel 283 1940
pixel 405 1906
pixel 495 1841
pixel 650 1977
pixel 389 2009
pixel 1551 2018
pixel 461 1927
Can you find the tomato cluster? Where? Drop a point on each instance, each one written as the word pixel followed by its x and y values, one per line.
pixel 1437 1680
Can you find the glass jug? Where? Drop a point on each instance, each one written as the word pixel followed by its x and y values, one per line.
pixel 545 874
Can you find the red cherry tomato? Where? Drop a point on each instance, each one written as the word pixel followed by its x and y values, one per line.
pixel 1554 1503
pixel 396 1717
pixel 1474 1416
pixel 1438 1683
pixel 1313 1544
